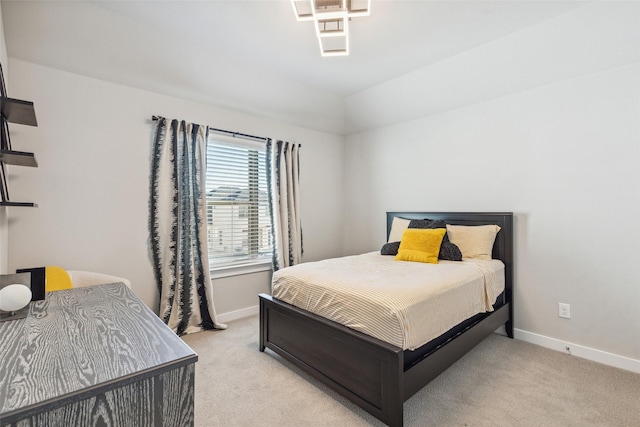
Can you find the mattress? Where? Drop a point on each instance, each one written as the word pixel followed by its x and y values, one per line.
pixel 406 304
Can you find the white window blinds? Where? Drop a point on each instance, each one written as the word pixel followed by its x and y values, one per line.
pixel 238 219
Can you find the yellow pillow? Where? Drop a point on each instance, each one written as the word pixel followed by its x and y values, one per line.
pixel 56 279
pixel 421 245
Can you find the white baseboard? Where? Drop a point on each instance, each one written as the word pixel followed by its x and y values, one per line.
pixel 577 350
pixel 588 353
pixel 238 314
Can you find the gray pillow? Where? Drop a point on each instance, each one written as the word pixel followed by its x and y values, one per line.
pixel 427 223
pixel 449 251
pixel 390 248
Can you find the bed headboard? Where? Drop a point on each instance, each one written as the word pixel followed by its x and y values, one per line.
pixel 503 246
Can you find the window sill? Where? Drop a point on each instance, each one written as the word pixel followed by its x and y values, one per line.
pixel 240 270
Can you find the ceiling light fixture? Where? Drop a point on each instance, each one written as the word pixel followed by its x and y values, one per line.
pixel 331 19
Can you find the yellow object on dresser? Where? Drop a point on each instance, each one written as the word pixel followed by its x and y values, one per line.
pixel 56 279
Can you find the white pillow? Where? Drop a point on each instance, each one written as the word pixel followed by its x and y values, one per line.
pixel 397 228
pixel 474 241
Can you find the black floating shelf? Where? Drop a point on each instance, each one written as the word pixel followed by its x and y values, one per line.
pixel 18 158
pixel 20 204
pixel 19 112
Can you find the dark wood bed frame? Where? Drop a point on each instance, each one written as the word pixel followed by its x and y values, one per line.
pixel 372 373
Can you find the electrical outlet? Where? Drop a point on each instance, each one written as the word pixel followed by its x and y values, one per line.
pixel 564 310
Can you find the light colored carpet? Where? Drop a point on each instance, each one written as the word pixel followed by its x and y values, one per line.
pixel 501 382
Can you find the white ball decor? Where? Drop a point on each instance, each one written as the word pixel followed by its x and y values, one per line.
pixel 14 297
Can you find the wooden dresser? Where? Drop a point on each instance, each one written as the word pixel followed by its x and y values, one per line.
pixel 94 356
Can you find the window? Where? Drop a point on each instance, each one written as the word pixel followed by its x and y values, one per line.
pixel 238 219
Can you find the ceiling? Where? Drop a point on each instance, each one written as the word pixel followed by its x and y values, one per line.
pixel 253 56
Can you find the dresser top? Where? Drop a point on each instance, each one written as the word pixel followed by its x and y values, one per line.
pixel 79 342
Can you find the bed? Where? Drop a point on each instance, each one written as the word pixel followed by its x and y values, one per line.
pixel 372 373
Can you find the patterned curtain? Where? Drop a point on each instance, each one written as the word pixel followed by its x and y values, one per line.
pixel 178 231
pixel 283 173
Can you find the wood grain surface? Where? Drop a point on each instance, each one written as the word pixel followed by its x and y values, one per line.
pixel 94 356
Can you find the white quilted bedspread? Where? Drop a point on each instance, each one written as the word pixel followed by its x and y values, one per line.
pixel 406 304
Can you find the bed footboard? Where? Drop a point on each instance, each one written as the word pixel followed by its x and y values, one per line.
pixel 365 370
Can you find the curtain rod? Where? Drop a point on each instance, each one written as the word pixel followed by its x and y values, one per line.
pixel 228 132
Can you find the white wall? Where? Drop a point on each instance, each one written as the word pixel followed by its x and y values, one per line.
pixel 92 144
pixel 4 229
pixel 564 158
